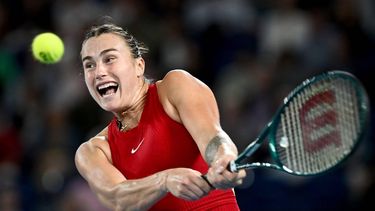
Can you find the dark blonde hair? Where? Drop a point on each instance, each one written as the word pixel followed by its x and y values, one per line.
pixel 137 48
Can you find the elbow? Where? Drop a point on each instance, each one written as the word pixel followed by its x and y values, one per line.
pixel 80 158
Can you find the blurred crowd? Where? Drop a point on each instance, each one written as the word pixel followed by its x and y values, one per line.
pixel 250 52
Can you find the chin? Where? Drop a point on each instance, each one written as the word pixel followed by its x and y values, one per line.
pixel 108 108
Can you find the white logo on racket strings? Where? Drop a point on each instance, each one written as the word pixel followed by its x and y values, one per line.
pixel 134 150
pixel 284 142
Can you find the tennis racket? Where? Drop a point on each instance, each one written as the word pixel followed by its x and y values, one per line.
pixel 316 128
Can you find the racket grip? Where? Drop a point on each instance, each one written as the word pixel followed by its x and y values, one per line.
pixel 232 167
pixel 204 176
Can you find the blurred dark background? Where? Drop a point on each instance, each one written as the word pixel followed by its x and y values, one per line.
pixel 251 53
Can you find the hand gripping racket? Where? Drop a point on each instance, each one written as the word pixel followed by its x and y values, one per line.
pixel 317 127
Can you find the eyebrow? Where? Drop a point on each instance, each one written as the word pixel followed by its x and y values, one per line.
pixel 101 53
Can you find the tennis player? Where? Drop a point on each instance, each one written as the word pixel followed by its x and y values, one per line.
pixel 164 135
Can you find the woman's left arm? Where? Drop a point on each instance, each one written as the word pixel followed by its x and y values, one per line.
pixel 192 103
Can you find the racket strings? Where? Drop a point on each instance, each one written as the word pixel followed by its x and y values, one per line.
pixel 319 126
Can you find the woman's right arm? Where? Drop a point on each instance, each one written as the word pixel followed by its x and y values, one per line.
pixel 94 163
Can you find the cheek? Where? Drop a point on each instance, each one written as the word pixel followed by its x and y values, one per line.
pixel 89 83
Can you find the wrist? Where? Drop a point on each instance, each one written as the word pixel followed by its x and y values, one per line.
pixel 163 181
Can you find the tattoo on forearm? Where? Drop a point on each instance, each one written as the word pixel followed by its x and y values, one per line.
pixel 213 147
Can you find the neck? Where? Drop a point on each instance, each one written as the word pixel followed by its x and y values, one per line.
pixel 130 117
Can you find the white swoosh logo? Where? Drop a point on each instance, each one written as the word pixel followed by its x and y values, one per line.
pixel 136 149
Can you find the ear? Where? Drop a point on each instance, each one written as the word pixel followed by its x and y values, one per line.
pixel 140 66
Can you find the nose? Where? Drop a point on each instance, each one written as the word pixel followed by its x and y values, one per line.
pixel 101 71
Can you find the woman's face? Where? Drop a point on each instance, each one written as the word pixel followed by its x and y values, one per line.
pixel 111 73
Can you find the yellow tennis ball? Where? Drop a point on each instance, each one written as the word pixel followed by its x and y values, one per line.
pixel 47 48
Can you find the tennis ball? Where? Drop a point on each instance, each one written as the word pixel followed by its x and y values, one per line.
pixel 47 48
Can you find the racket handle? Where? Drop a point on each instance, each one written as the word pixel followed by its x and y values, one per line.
pixel 204 176
pixel 232 166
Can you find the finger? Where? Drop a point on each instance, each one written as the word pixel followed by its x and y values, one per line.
pixel 196 191
pixel 228 179
pixel 242 173
pixel 207 181
pixel 224 184
pixel 201 183
pixel 204 184
pixel 188 197
pixel 185 191
pixel 198 186
pixel 219 182
pixel 219 166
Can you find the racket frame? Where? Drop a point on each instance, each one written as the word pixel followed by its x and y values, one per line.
pixel 271 128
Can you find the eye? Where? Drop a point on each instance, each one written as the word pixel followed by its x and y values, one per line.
pixel 109 59
pixel 88 65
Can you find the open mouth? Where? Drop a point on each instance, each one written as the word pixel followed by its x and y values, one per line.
pixel 107 88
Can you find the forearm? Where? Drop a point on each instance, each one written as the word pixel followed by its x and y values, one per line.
pixel 138 194
pixel 111 187
pixel 141 194
pixel 220 145
pixel 219 152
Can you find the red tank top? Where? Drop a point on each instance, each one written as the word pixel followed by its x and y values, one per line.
pixel 160 143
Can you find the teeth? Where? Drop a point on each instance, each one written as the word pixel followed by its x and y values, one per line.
pixel 103 86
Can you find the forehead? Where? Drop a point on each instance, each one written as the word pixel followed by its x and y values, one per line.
pixel 95 45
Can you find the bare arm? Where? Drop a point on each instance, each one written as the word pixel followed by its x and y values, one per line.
pixel 93 161
pixel 94 164
pixel 191 102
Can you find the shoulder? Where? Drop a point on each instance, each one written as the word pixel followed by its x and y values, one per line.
pixel 96 144
pixel 177 82
pixel 175 76
pixel 179 88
